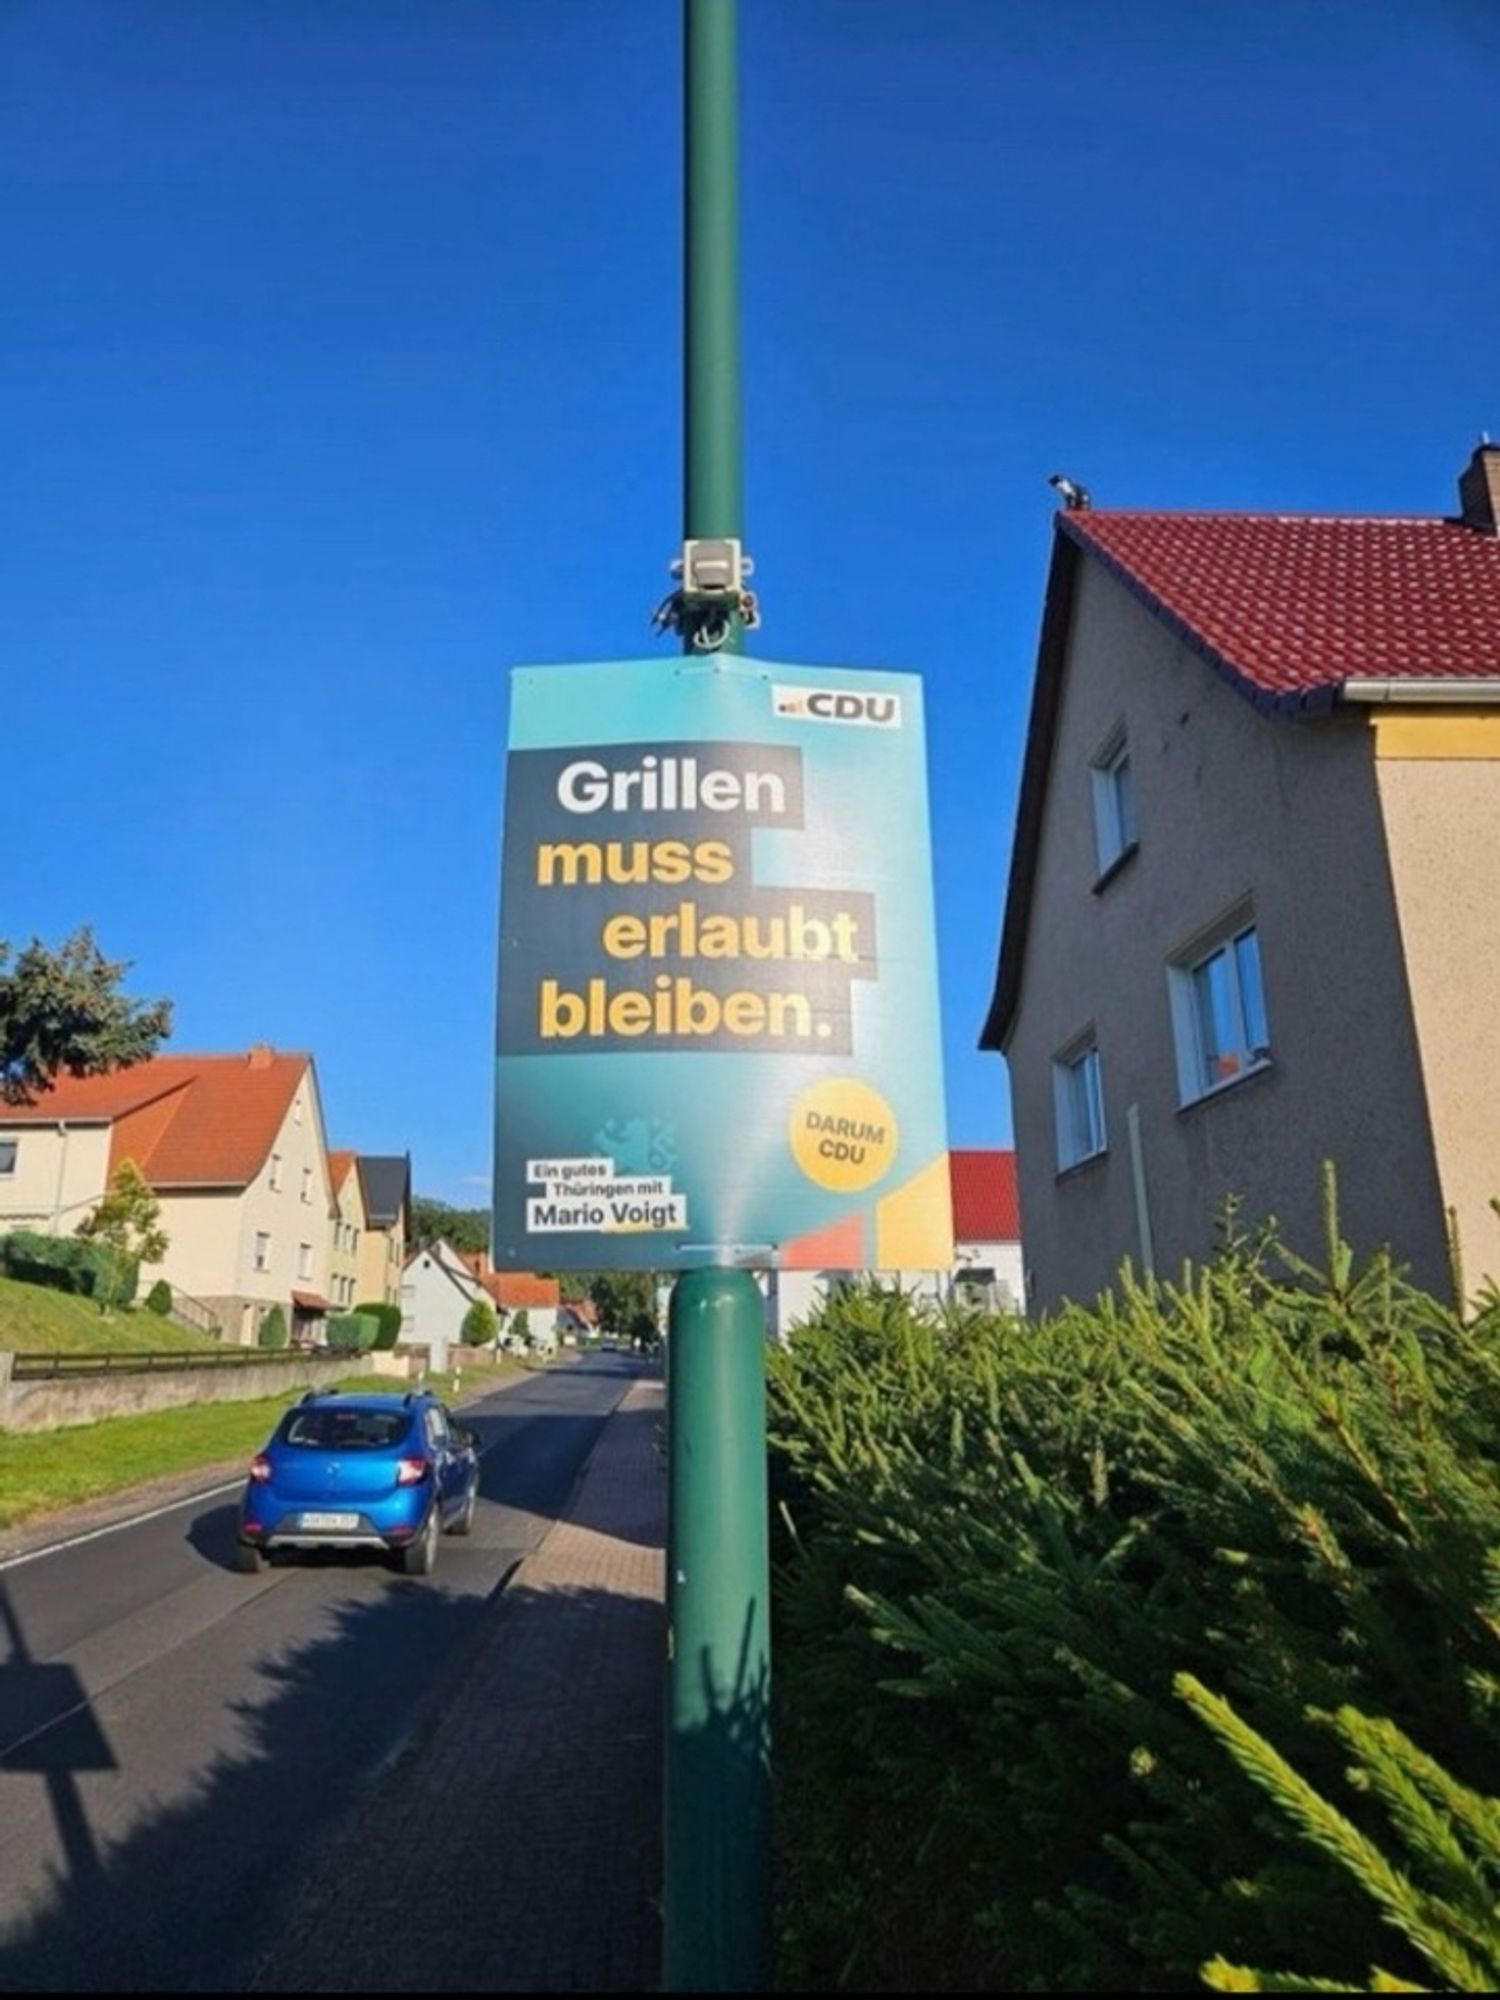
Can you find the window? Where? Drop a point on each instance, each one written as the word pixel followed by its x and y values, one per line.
pixel 974 1288
pixel 307 1183
pixel 1219 1012
pixel 262 1251
pixel 1114 804
pixel 339 1428
pixel 1078 1098
pixel 275 1171
pixel 8 1150
pixel 304 1260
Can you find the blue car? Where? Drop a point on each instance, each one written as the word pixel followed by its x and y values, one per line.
pixel 360 1472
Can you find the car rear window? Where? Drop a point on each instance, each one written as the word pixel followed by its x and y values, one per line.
pixel 346 1430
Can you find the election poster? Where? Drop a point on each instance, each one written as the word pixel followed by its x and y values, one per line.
pixel 718 1034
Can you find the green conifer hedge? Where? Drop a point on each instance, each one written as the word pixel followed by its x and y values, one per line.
pixel 1154 1643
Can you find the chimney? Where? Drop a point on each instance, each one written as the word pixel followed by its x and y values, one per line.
pixel 261 1055
pixel 1479 489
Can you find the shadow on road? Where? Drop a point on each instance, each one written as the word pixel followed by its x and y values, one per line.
pixel 189 1896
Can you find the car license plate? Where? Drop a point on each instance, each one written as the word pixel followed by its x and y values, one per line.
pixel 328 1520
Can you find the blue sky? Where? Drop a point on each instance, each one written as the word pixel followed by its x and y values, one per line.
pixel 336 336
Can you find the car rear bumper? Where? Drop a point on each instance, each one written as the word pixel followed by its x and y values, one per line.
pixel 286 1529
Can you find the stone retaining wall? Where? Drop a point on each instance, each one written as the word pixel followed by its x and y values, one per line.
pixel 52 1404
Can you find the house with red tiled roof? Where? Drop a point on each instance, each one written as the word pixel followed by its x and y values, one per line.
pixel 233 1147
pixel 1252 922
pixel 987 1272
pixel 348 1225
pixel 510 1292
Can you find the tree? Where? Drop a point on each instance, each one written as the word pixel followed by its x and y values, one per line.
pixel 520 1327
pixel 273 1329
pixel 480 1325
pixel 620 1296
pixel 127 1223
pixel 464 1228
pixel 63 1010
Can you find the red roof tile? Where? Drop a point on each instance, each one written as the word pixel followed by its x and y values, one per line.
pixel 212 1118
pixel 515 1289
pixel 1294 605
pixel 339 1164
pixel 986 1206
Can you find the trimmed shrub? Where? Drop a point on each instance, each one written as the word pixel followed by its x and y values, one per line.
pixel 159 1298
pixel 351 1333
pixel 480 1325
pixel 70 1264
pixel 388 1318
pixel 520 1327
pixel 272 1329
pixel 1081 1626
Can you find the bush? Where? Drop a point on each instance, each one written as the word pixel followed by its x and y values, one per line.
pixel 1080 1626
pixel 388 1317
pixel 273 1329
pixel 480 1325
pixel 351 1333
pixel 159 1298
pixel 70 1264
pixel 520 1327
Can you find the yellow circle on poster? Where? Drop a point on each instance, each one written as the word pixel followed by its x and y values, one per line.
pixel 843 1134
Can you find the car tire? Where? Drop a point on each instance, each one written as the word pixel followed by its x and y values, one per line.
pixel 464 1525
pixel 420 1557
pixel 248 1559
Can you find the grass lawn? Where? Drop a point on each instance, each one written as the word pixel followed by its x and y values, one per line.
pixel 35 1319
pixel 40 1470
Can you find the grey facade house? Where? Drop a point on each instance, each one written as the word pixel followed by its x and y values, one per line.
pixel 1253 916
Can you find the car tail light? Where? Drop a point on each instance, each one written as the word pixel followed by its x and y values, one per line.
pixel 411 1471
pixel 260 1468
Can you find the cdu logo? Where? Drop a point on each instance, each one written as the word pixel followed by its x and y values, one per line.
pixel 821 704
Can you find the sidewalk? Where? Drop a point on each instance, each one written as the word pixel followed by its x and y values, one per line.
pixel 515 1846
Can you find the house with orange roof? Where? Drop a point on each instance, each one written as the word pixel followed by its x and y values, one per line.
pixel 1252 921
pixel 233 1146
pixel 348 1226
pixel 510 1292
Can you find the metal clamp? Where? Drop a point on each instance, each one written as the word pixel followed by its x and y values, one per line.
pixel 711 593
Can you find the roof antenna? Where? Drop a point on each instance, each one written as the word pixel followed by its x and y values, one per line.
pixel 1074 498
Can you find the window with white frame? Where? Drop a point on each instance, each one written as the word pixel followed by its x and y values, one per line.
pixel 275 1176
pixel 307 1183
pixel 262 1250
pixel 304 1260
pixel 1078 1099
pixel 1219 1010
pixel 8 1150
pixel 1114 803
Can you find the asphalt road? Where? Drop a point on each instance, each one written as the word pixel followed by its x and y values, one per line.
pixel 176 1740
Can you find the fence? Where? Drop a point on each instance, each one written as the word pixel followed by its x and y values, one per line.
pixel 128 1361
pixel 41 1392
